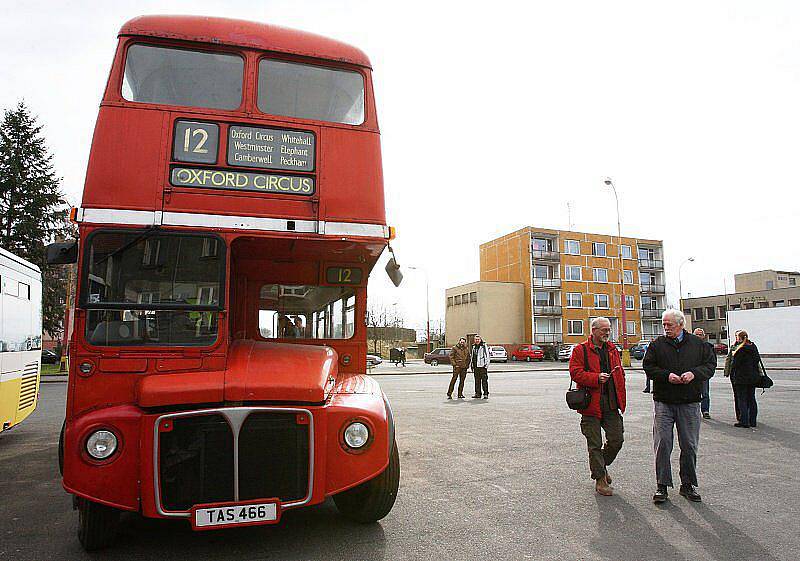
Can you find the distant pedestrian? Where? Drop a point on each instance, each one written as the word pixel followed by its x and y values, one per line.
pixel 479 361
pixel 595 365
pixel 459 358
pixel 678 362
pixel 646 384
pixel 705 396
pixel 745 373
pixel 727 371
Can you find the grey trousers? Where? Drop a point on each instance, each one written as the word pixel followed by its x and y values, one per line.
pixel 687 419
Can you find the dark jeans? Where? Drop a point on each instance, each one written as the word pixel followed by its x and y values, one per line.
pixel 481 380
pixel 686 418
pixel 600 455
pixel 647 384
pixel 746 401
pixel 735 402
pixel 460 374
pixel 705 398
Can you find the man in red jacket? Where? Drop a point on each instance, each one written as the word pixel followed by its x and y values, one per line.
pixel 595 365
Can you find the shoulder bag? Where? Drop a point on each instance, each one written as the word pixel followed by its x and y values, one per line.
pixel 764 381
pixel 579 398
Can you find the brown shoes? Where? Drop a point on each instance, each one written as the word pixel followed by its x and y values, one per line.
pixel 603 488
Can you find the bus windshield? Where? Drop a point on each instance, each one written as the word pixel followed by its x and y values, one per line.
pixel 152 288
pixel 306 312
pixel 181 77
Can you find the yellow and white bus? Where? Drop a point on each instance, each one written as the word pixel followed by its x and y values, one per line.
pixel 20 338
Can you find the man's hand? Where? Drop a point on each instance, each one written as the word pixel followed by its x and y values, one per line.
pixel 604 376
pixel 675 379
pixel 687 377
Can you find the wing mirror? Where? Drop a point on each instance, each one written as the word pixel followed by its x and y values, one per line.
pixel 62 253
pixel 393 269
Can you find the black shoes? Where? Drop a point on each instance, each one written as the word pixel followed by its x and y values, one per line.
pixel 741 425
pixel 486 396
pixel 661 494
pixel 461 397
pixel 449 396
pixel 645 390
pixel 689 492
pixel 476 396
pixel 706 415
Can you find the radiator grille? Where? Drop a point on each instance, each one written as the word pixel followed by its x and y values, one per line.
pixel 28 386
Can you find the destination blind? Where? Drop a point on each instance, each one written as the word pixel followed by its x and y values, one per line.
pixel 270 148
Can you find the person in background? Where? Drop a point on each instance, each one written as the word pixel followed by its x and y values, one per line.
pixel 479 360
pixel 727 371
pixel 595 365
pixel 705 397
pixel 459 358
pixel 677 362
pixel 298 327
pixel 745 373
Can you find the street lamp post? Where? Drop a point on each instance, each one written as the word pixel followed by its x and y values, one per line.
pixel 680 284
pixel 427 307
pixel 626 357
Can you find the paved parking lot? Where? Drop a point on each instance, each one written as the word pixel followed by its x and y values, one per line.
pixel 504 478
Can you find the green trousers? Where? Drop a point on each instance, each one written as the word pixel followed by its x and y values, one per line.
pixel 602 455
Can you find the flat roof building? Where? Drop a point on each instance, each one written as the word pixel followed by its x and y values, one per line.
pixel 494 310
pixel 766 280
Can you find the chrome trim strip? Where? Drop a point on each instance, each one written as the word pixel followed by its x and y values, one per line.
pixel 199 220
pixel 235 417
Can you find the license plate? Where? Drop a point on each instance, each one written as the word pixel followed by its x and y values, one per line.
pixel 207 517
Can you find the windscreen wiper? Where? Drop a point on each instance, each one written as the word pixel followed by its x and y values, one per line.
pixel 149 231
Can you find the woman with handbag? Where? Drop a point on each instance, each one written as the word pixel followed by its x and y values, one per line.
pixel 745 376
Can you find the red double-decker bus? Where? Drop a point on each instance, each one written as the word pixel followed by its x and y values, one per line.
pixel 232 212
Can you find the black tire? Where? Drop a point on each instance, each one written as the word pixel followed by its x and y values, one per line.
pixel 373 499
pixel 434 362
pixel 61 448
pixel 97 524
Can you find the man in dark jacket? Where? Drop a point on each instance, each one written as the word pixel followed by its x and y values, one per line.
pixel 459 358
pixel 595 365
pixel 678 363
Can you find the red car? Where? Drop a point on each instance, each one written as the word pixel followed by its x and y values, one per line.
pixel 528 353
pixel 721 348
pixel 437 356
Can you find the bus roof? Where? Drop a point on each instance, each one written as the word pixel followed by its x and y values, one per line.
pixel 244 34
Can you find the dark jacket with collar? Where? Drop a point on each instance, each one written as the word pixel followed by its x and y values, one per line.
pixel 666 355
pixel 745 365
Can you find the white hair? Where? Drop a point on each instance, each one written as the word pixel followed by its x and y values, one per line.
pixel 598 320
pixel 676 315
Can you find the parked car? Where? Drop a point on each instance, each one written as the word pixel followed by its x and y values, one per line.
pixel 721 348
pixel 638 350
pixel 49 357
pixel 373 360
pixel 565 352
pixel 497 354
pixel 528 353
pixel 618 346
pixel 437 356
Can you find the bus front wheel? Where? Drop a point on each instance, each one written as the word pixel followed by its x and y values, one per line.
pixel 97 524
pixel 373 499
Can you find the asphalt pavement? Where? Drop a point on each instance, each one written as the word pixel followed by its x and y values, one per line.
pixel 503 478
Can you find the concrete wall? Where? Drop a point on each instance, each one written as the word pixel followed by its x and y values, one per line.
pixel 774 330
pixel 498 315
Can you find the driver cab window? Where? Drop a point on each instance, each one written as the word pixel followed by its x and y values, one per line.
pixel 306 312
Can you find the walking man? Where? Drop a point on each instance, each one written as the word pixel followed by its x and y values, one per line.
pixel 595 365
pixel 479 360
pixel 705 397
pixel 459 358
pixel 678 362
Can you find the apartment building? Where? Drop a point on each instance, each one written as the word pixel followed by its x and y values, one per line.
pixel 568 278
pixel 766 280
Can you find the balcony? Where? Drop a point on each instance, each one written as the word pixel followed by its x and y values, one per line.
pixel 651 263
pixel 656 313
pixel 546 283
pixel 547 337
pixel 544 255
pixel 652 288
pixel 546 310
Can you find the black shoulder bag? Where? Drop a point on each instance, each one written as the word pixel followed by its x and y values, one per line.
pixel 764 381
pixel 579 398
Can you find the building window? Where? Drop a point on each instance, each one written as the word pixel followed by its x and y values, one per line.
pixel 449 301
pixel 601 301
pixel 627 277
pixel 543 299
pixel 698 314
pixel 542 244
pixel 598 249
pixel 600 275
pixel 458 300
pixel 630 328
pixel 210 247
pixel 779 303
pixel 710 313
pixel 626 252
pixel 628 302
pixel 473 296
pixel 572 247
pixel 722 312
pixel 572 272
pixel 575 327
pixel 770 285
pixel 465 298
pixel 542 272
pixel 644 278
pixel 574 300
pixel 792 281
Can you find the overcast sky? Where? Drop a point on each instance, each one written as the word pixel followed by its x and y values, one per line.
pixel 494 116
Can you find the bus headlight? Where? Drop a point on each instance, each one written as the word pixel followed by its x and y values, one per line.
pixel 101 444
pixel 356 435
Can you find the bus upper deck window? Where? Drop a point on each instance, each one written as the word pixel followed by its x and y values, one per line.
pixel 310 92
pixel 180 77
